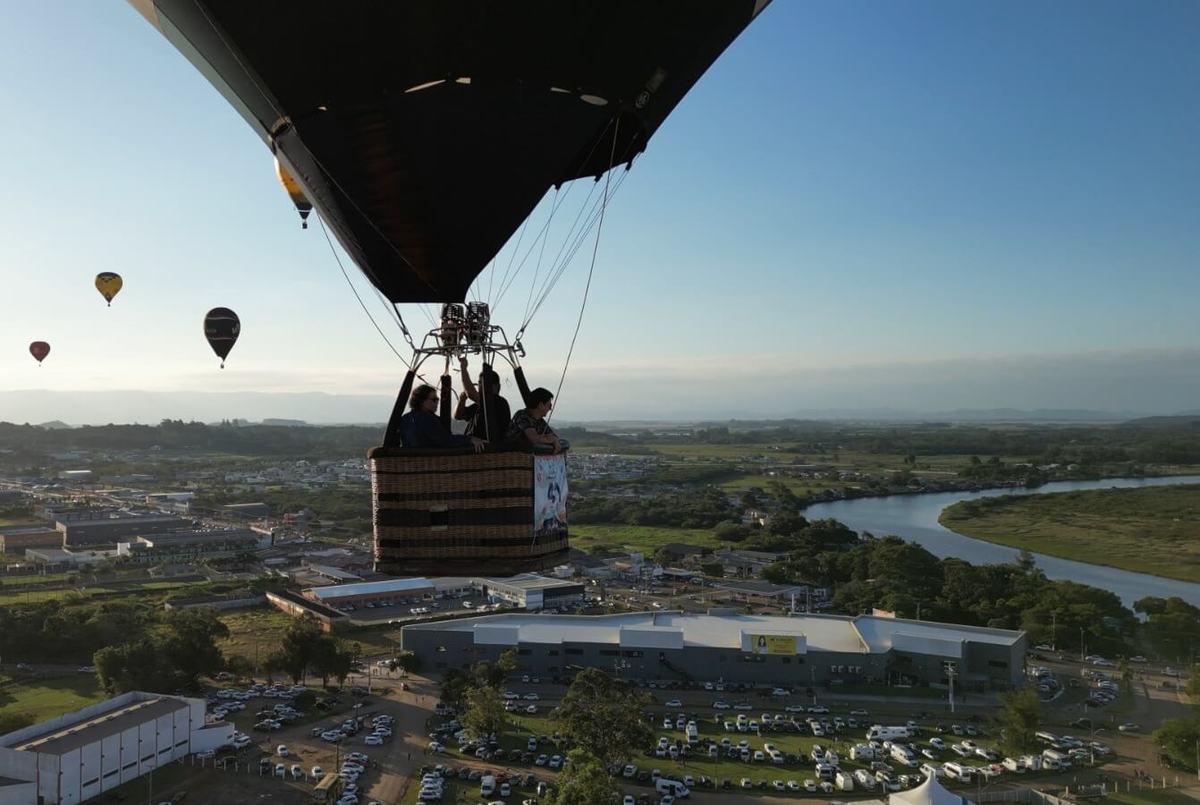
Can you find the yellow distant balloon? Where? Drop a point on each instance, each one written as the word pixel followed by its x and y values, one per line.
pixel 108 284
pixel 295 192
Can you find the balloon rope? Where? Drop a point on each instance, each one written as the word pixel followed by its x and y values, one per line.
pixel 325 232
pixel 595 250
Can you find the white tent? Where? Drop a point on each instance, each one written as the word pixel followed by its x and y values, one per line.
pixel 930 792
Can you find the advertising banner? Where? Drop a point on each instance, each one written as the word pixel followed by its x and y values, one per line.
pixel 549 497
pixel 773 644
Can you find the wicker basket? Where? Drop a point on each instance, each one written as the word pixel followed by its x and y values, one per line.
pixel 460 513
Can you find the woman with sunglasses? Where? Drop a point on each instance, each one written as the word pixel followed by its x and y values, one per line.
pixel 422 427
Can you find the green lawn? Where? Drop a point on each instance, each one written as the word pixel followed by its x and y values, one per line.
pixel 646 539
pixel 48 698
pixel 1152 530
pixel 256 633
pixel 1162 796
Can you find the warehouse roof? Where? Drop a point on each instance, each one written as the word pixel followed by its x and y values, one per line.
pixel 864 634
pixel 102 726
pixel 369 588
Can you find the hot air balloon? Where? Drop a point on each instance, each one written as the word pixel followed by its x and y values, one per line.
pixel 221 328
pixel 109 285
pixel 423 164
pixel 303 205
pixel 39 350
pixel 425 133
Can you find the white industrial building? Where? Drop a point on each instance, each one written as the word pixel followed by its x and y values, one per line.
pixel 78 756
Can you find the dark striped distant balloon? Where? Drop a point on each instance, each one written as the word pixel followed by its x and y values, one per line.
pixel 39 350
pixel 221 328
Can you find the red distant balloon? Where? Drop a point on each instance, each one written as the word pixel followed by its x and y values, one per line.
pixel 39 350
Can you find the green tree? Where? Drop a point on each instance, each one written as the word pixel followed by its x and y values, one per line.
pixel 11 722
pixel 713 569
pixel 484 714
pixel 584 782
pixel 1019 719
pixel 409 662
pixel 1193 683
pixel 189 646
pixel 1178 738
pixel 297 649
pixel 604 717
pixel 454 686
pixel 1172 624
pixel 137 665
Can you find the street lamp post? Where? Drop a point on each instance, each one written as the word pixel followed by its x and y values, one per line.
pixel 951 672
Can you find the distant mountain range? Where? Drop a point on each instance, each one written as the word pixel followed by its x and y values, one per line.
pixel 57 409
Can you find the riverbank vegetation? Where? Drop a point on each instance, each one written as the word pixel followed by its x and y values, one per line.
pixel 1152 530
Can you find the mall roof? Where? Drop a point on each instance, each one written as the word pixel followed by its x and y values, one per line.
pixel 530 581
pixel 834 633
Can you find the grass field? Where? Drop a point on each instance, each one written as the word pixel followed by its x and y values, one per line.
pixel 1152 530
pixel 48 698
pixel 255 633
pixel 1162 796
pixel 90 591
pixel 646 539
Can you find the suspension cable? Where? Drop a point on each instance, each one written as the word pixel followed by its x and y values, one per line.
pixel 355 291
pixel 595 250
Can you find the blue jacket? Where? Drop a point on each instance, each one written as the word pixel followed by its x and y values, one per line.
pixel 423 429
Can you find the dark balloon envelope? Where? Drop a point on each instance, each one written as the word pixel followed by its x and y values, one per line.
pixel 425 132
pixel 221 328
pixel 39 350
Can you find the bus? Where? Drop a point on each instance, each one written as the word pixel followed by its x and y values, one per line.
pixel 327 790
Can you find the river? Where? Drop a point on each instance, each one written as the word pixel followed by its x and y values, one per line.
pixel 915 517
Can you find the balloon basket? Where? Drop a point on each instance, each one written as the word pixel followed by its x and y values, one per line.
pixel 457 512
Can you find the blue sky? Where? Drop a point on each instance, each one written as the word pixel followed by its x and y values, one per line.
pixel 862 204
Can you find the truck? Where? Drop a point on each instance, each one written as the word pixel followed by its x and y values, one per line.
pixel 956 771
pixel 878 732
pixel 693 733
pixel 672 787
pixel 1055 759
pixel 862 752
pixel 904 755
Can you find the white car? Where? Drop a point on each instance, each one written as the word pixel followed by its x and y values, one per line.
pixel 374 740
pixel 317 772
pixel 629 800
pixel 794 708
pixel 531 697
pixel 720 705
pixel 674 703
pixel 282 750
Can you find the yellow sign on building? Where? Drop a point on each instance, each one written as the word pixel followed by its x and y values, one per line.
pixel 773 644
